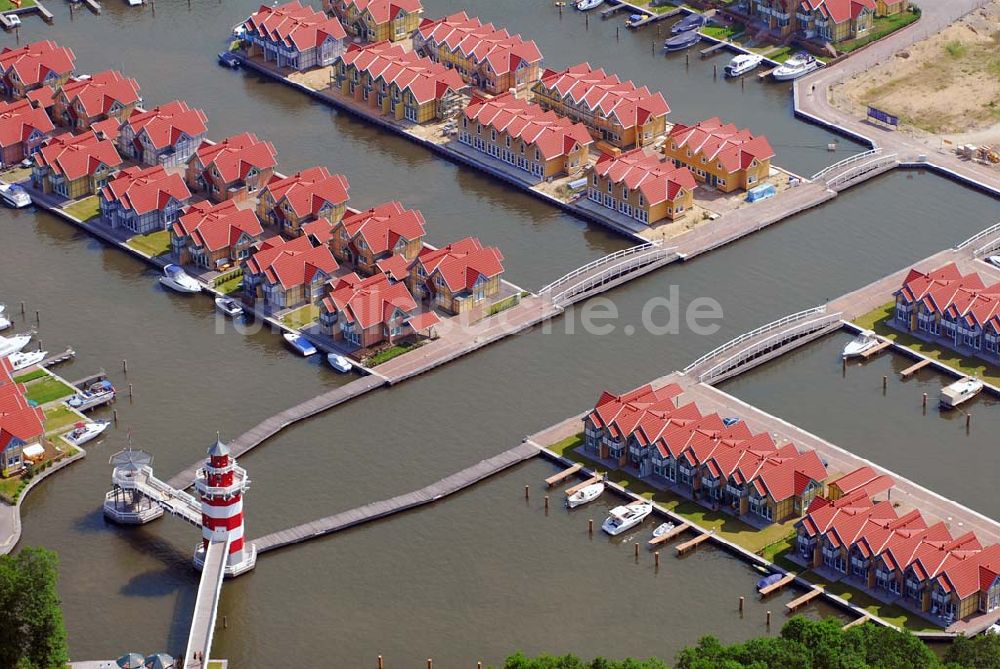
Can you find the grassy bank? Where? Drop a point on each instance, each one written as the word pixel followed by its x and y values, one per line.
pixel 154 244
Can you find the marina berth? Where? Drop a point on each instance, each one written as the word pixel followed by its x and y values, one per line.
pixel 865 341
pixel 959 392
pixel 682 41
pixel 742 64
pixel 797 66
pixel 623 518
pixel 176 279
pixel 302 345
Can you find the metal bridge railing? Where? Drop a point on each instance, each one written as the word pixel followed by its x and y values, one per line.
pixel 619 269
pixel 864 168
pixel 850 160
pixel 608 259
pixel 982 234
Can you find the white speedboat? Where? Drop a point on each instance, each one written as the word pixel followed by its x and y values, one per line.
pixel 960 391
pixel 302 345
pixel 623 518
pixel 84 432
pixel 99 393
pixel 11 345
pixel 585 494
pixel 865 341
pixel 14 196
pixel 20 361
pixel 228 306
pixel 175 278
pixel 743 63
pixel 796 66
pixel 662 529
pixel 339 362
pixel 586 5
pixel 4 323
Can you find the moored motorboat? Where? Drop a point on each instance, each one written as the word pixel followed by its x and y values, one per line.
pixel 960 391
pixel 97 394
pixel 864 342
pixel 23 360
pixel 662 529
pixel 4 323
pixel 796 66
pixel 175 278
pixel 993 260
pixel 689 22
pixel 84 432
pixel 743 63
pixel 228 306
pixel 682 41
pixel 770 579
pixel 229 59
pixel 14 196
pixel 586 5
pixel 15 344
pixel 623 518
pixel 584 495
pixel 634 20
pixel 341 363
pixel 301 345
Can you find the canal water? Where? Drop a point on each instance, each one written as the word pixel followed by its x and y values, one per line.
pixel 437 582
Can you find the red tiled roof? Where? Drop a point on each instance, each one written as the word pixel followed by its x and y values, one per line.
pixel 632 406
pixel 480 42
pixel 219 226
pixel 396 267
pixel 386 10
pixel 946 291
pixel 384 225
pixel 605 94
pixel 294 25
pixel 98 93
pixel 839 10
pixel 18 419
pixel 554 135
pixel 235 156
pixel 307 191
pixel 166 124
pixel 43 96
pixel 423 321
pixel 145 190
pixel 864 479
pixel 462 263
pixel 422 77
pixel 736 149
pixel 369 301
pixel 658 180
pixel 19 120
pixel 291 263
pixel 789 475
pixel 35 62
pixel 75 156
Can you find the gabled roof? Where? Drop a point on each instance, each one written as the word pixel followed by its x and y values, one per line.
pixel 43 96
pixel 369 301
pixel 462 263
pixel 480 42
pixel 19 421
pixel 865 480
pixel 422 77
pixel 396 267
pixel 839 10
pixel 75 156
pixel 610 406
pixel 35 63
pixel 723 142
pixel 946 291
pixel 145 190
pixel 309 190
pixel 788 473
pixel 19 120
pixel 291 263
pixel 383 11
pixel 215 227
pixel 384 225
pixel 235 156
pixel 98 93
pixel 167 124
pixel 553 135
pixel 656 179
pixel 294 25
pixel 605 94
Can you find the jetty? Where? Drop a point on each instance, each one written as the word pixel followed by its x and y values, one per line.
pixel 596 478
pixel 654 17
pixel 775 587
pixel 93 5
pixel 856 622
pixel 800 601
pixel 709 50
pixel 692 543
pixel 53 360
pixel 670 534
pixel 914 368
pixel 369 512
pixel 875 350
pixel 563 475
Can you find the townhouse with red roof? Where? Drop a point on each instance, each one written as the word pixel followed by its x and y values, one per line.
pixel 943 306
pixel 165 135
pixel 285 274
pixel 459 277
pixel 616 111
pixel 21 424
pixel 288 203
pixel 215 236
pixel 824 20
pixel 143 200
pixel 642 187
pixel 377 20
pixel 43 98
pixel 235 168
pixel 615 416
pixel 863 478
pixel 23 128
pixel 526 136
pixel 720 154
pixel 295 36
pixel 74 166
pixel 84 101
pixel 32 66
pixel 366 237
pixel 398 83
pixel 366 312
pixel 487 57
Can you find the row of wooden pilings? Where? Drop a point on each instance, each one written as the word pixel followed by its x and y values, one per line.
pixel 430 663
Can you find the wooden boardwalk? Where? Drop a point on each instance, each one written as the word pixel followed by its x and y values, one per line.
pixel 799 601
pixel 583 484
pixel 563 475
pixel 913 369
pixel 775 587
pixel 670 534
pixel 271 426
pixel 369 512
pixel 688 545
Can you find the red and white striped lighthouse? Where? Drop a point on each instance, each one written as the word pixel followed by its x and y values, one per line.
pixel 221 484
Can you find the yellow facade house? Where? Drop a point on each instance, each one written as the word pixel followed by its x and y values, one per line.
pixel 74 166
pixel 642 187
pixel 720 154
pixel 377 20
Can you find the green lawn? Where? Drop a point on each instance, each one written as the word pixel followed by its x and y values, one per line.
pixel 17 173
pixel 47 390
pixel 723 32
pixel 230 286
pixel 6 5
pixel 85 209
pixel 968 365
pixel 154 244
pixel 503 305
pixel 31 376
pixel 881 27
pixel 390 353
pixel 59 418
pixel 302 317
pixel 10 489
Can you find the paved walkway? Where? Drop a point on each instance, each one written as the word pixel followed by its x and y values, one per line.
pixel 206 606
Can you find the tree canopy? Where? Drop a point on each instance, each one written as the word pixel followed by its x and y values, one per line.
pixel 32 633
